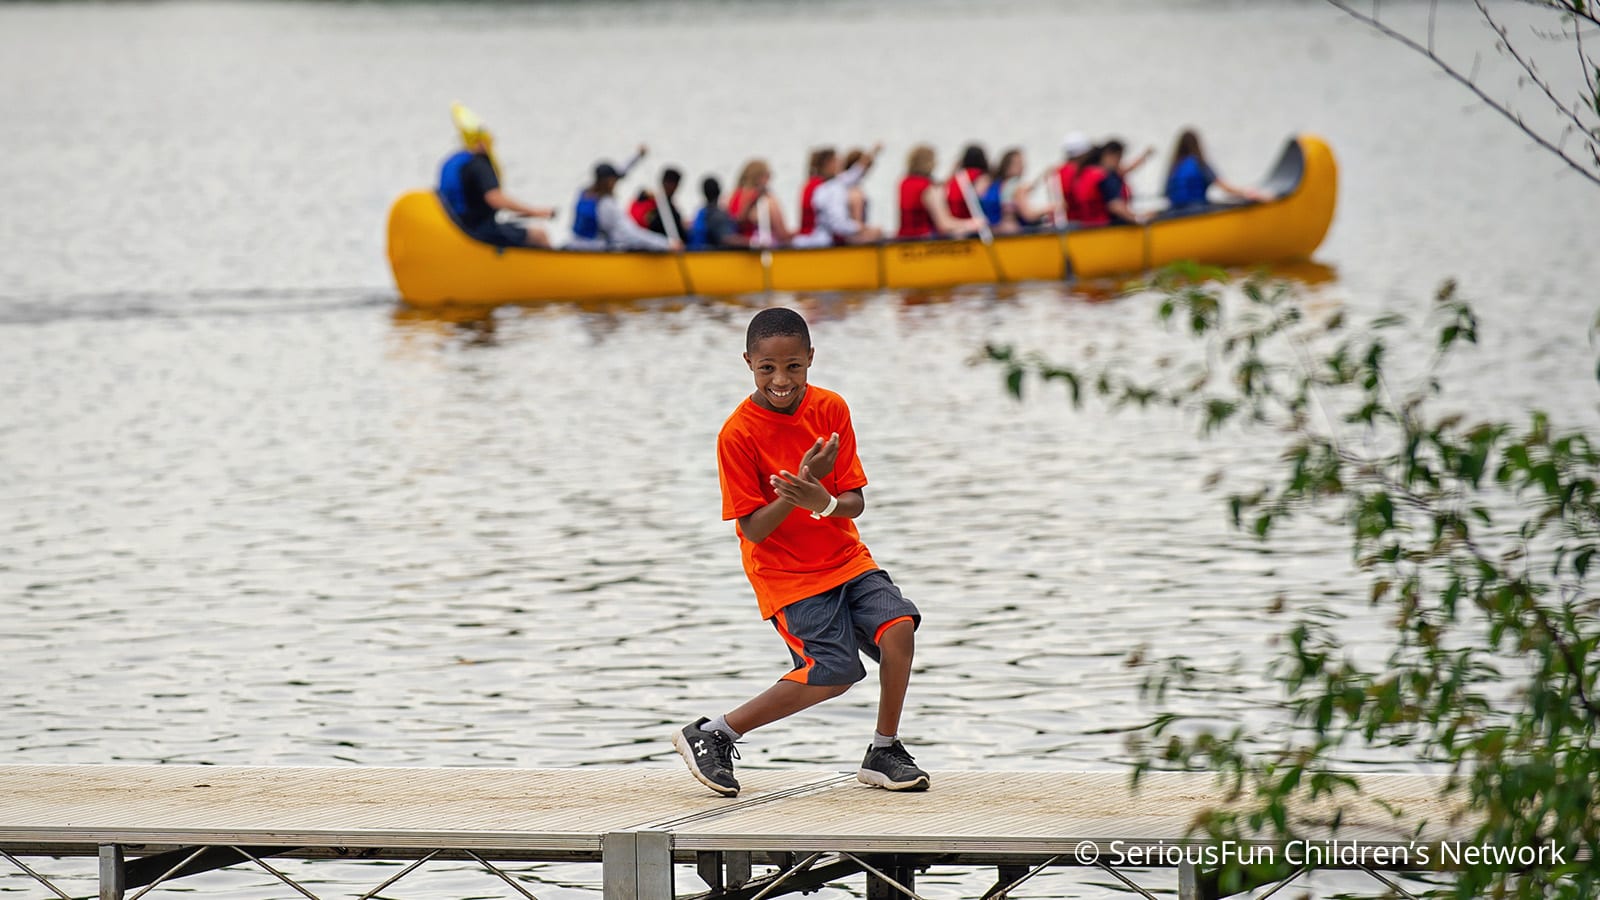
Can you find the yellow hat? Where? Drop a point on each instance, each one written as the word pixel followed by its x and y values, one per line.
pixel 470 127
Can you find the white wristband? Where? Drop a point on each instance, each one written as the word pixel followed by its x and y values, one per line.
pixel 833 503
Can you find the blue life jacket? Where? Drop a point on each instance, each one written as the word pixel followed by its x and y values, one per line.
pixel 697 231
pixel 990 202
pixel 1187 184
pixel 450 189
pixel 586 218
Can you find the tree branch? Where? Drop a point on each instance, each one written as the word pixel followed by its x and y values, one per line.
pixel 1471 85
pixel 1533 74
pixel 1569 7
pixel 1574 664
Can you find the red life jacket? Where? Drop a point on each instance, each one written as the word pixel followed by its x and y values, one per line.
pixel 741 198
pixel 957 198
pixel 641 207
pixel 1065 176
pixel 1091 207
pixel 808 213
pixel 914 219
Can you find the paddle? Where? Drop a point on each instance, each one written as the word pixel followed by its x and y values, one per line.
pixel 1058 203
pixel 974 208
pixel 764 235
pixel 669 223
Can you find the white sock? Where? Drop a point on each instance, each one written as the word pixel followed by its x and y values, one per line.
pixel 879 741
pixel 720 723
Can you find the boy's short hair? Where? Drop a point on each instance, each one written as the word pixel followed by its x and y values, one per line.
pixel 711 189
pixel 776 322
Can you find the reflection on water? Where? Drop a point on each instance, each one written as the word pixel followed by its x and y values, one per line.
pixel 475 319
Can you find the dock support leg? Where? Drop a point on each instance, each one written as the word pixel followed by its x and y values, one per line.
pixel 737 865
pixel 723 870
pixel 113 872
pixel 653 853
pixel 708 863
pixel 637 865
pixel 619 875
pixel 1188 881
pixel 895 867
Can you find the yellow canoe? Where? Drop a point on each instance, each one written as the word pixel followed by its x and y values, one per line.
pixel 435 264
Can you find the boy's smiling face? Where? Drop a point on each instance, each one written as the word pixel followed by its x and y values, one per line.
pixel 779 363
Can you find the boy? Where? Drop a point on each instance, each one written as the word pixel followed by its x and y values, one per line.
pixel 794 494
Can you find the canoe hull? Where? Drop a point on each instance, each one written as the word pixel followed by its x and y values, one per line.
pixel 436 265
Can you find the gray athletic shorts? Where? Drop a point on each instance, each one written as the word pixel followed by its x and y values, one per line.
pixel 827 634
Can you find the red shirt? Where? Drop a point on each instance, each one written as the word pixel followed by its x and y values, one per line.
pixel 640 210
pixel 1089 205
pixel 958 197
pixel 808 213
pixel 1067 174
pixel 737 201
pixel 914 219
pixel 803 556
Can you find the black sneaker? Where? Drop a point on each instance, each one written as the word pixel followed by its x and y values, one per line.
pixel 891 767
pixel 710 755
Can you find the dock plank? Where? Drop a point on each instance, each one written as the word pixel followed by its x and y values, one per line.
pixel 571 810
pixel 527 809
pixel 1041 813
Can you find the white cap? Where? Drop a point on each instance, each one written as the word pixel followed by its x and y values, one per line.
pixel 1076 143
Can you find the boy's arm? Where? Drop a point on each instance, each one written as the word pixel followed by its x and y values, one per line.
pixel 759 525
pixel 806 492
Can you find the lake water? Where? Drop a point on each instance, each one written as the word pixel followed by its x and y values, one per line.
pixel 254 511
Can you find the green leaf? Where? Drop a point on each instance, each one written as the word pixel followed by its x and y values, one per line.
pixel 1014 382
pixel 1581 560
pixel 1217 414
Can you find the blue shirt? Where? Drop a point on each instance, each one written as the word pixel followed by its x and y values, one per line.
pixel 478 178
pixel 990 202
pixel 1187 184
pixel 711 225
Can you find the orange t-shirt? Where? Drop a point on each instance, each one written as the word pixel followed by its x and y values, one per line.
pixel 803 556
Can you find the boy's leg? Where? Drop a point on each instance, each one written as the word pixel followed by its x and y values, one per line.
pixel 886 625
pixel 782 699
pixel 821 636
pixel 896 648
pixel 707 746
pixel 821 639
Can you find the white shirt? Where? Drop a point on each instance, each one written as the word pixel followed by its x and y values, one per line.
pixel 617 231
pixel 620 231
pixel 831 201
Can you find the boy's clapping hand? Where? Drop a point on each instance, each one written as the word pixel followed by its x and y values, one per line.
pixel 821 457
pixel 803 490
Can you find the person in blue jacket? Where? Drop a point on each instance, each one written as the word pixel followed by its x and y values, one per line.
pixel 1190 176
pixel 599 222
pixel 714 226
pixel 469 187
pixel 1006 203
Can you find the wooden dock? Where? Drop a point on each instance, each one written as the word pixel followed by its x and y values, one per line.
pixel 150 824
